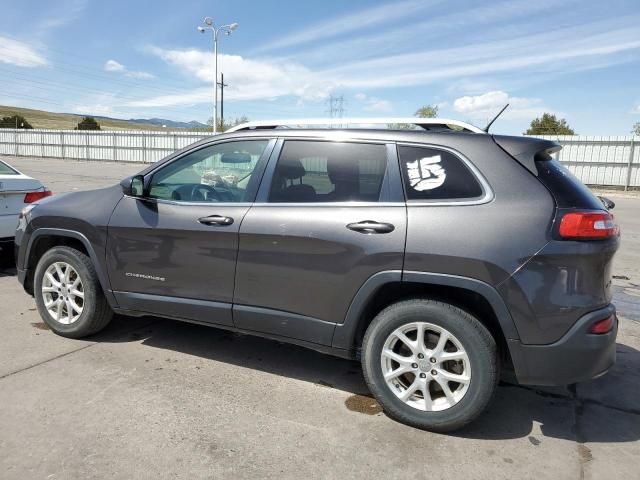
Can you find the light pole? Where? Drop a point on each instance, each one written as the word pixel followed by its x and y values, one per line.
pixel 207 24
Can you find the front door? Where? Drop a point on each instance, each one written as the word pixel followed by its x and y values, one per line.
pixel 325 220
pixel 173 252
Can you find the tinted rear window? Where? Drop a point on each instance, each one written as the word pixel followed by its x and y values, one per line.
pixel 6 169
pixel 432 174
pixel 568 191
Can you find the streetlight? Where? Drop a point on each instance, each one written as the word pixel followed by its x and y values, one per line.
pixel 207 24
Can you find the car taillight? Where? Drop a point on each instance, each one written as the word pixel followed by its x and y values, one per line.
pixel 603 326
pixel 33 196
pixel 588 226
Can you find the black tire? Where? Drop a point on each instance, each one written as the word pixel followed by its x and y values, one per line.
pixel 96 313
pixel 476 340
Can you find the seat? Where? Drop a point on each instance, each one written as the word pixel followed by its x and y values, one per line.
pixel 292 192
pixel 345 177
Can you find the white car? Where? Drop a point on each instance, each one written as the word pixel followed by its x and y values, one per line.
pixel 16 191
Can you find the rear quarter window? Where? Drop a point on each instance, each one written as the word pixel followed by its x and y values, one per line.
pixel 433 174
pixel 568 191
pixel 6 169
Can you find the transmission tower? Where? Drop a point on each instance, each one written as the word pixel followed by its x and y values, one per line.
pixel 336 106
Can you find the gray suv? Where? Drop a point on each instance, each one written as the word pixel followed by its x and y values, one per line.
pixel 440 258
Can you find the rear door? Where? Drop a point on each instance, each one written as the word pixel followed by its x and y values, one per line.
pixel 328 216
pixel 173 252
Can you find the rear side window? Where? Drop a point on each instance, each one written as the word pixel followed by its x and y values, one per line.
pixel 313 171
pixel 432 174
pixel 6 169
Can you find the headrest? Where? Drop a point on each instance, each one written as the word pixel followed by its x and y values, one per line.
pixel 342 171
pixel 292 169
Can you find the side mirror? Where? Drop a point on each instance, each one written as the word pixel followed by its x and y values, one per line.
pixel 133 186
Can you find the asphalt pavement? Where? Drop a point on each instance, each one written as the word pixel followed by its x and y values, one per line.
pixel 153 398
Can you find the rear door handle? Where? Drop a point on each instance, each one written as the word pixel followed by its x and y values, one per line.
pixel 371 226
pixel 216 220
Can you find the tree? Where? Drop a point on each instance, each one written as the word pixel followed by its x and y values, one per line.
pixel 548 124
pixel 228 124
pixel 428 111
pixel 88 123
pixel 636 129
pixel 15 121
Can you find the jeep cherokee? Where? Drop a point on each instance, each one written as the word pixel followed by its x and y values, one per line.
pixel 439 257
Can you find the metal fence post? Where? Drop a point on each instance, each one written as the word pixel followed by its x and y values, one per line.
pixel 115 149
pixel 144 147
pixel 62 144
pixel 630 164
pixel 15 141
pixel 86 145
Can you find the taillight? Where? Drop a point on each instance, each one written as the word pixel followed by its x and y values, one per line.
pixel 33 196
pixel 588 226
pixel 603 326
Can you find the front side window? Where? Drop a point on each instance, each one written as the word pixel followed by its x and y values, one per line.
pixel 432 174
pixel 218 173
pixel 315 171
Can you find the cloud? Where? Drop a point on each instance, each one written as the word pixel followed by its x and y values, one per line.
pixel 19 53
pixel 117 67
pixel 564 50
pixel 636 108
pixel 373 104
pixel 437 24
pixel 248 79
pixel 360 20
pixel 61 13
pixel 113 66
pixel 549 53
pixel 488 104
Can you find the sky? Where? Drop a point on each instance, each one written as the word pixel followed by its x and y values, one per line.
pixel 578 59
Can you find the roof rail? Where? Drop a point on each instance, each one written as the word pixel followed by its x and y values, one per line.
pixel 425 123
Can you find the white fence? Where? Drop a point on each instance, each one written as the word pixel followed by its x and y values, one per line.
pixel 596 160
pixel 613 161
pixel 120 146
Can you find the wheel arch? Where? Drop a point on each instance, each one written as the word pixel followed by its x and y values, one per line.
pixel 43 239
pixel 384 288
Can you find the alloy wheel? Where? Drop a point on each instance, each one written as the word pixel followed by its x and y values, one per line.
pixel 63 293
pixel 425 366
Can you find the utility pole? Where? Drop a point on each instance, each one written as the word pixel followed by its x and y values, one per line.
pixel 221 84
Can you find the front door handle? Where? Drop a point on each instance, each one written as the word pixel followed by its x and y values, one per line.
pixel 371 226
pixel 216 220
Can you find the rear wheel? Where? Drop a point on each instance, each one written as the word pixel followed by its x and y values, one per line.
pixel 68 293
pixel 430 364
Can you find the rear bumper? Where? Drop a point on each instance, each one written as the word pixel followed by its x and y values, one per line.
pixel 576 357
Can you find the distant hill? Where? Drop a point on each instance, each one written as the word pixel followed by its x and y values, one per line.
pixel 169 123
pixel 68 121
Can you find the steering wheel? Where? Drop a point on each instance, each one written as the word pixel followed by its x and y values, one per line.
pixel 195 193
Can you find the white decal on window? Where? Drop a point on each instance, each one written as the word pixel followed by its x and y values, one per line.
pixel 426 173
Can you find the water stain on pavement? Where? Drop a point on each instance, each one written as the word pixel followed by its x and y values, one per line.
pixel 40 325
pixel 363 404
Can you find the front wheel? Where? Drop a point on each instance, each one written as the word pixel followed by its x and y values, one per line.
pixel 68 293
pixel 430 364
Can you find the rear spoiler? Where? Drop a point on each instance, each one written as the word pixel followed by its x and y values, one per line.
pixel 527 150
